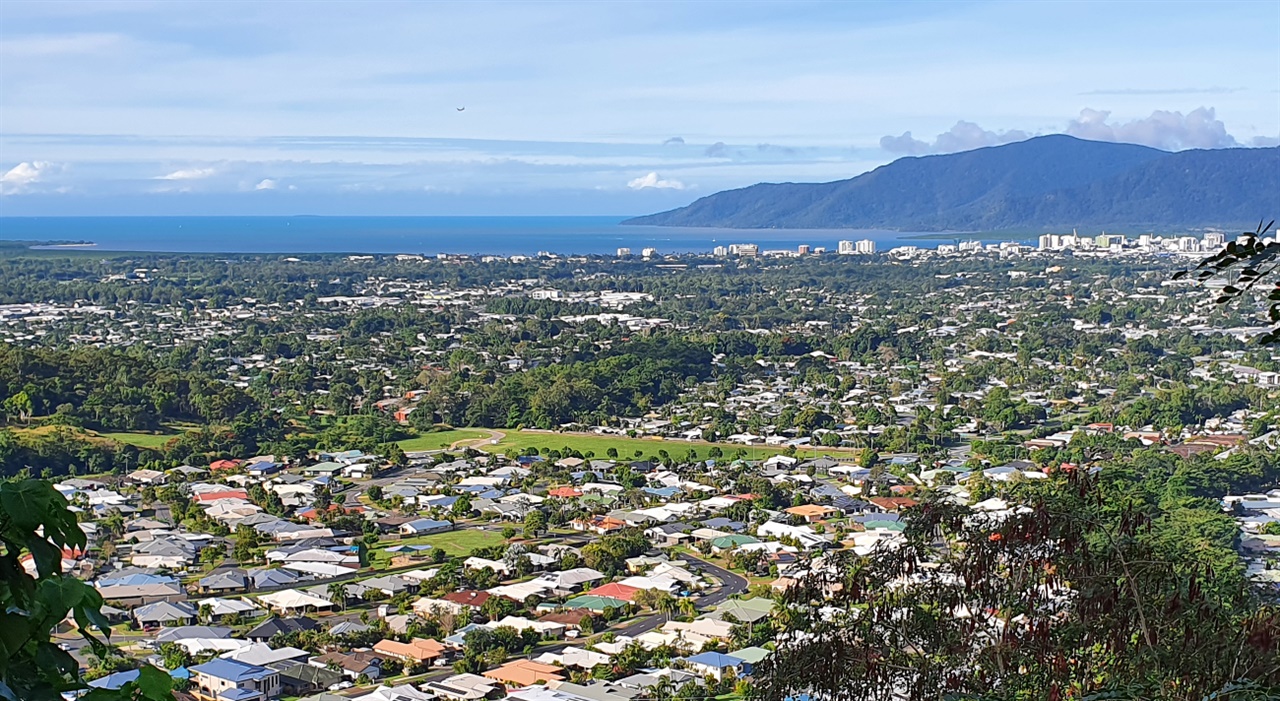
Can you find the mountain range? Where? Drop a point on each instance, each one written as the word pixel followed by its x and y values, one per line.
pixel 1048 182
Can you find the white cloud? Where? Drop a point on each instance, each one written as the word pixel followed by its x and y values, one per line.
pixel 20 177
pixel 964 136
pixel 188 174
pixel 266 184
pixel 1171 131
pixel 652 181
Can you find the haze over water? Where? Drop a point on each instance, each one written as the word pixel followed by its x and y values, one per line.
pixel 426 235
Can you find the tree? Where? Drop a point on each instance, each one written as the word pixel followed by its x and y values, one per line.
pixel 174 655
pixel 246 541
pixel 535 522
pixel 1105 584
pixel 1244 264
pixel 19 406
pixel 35 522
pixel 337 593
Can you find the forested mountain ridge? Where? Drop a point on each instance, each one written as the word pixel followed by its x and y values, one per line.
pixel 1047 182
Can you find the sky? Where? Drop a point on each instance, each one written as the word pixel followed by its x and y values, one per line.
pixel 591 108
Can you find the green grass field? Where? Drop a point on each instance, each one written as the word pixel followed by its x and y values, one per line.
pixel 141 440
pixel 627 447
pixel 440 439
pixel 459 543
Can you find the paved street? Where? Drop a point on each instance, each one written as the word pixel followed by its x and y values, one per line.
pixel 730 583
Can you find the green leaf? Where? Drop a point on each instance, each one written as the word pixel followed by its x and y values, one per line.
pixel 15 629
pixel 49 655
pixel 155 684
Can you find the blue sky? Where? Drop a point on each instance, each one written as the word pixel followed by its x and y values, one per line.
pixel 583 108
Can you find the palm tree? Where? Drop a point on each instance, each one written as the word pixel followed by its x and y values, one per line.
pixel 205 613
pixel 338 594
pixel 665 603
pixel 686 608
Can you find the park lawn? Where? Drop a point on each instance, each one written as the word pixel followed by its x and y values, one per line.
pixel 458 543
pixel 139 439
pixel 439 439
pixel 627 447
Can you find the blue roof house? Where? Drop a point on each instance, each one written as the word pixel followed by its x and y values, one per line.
pixel 222 679
pixel 715 664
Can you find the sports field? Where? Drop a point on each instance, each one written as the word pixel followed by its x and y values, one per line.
pixel 636 448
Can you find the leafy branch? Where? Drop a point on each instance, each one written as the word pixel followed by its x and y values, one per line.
pixel 35 523
pixel 1252 260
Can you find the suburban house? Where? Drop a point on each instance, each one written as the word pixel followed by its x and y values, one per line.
pixel 221 679
pixel 714 664
pixel 272 626
pixel 420 650
pixel 813 513
pixel 226 581
pixel 525 673
pixel 298 679
pixel 423 526
pixel 351 664
pixel 140 589
pixel 600 525
pixel 164 613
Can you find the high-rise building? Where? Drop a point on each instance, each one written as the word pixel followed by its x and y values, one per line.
pixel 719 251
pixel 847 248
pixel 649 252
pixel 1213 240
pixel 745 250
pixel 803 249
pixel 865 247
pixel 624 252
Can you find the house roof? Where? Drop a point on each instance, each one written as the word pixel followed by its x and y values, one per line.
pixel 275 625
pixel 592 602
pixel 615 591
pixel 416 649
pixel 751 655
pixel 809 510
pixel 165 611
pixel 717 660
pixel 312 675
pixel 231 670
pixel 525 672
pixel 468 598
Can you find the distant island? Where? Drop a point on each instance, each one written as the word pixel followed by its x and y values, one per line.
pixel 45 244
pixel 1049 182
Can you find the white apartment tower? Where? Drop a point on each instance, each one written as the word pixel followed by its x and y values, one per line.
pixel 865 247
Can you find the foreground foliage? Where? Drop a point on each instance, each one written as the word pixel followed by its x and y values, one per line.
pixel 1110 583
pixel 36 523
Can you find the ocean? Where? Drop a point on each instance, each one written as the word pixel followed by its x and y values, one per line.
pixel 422 235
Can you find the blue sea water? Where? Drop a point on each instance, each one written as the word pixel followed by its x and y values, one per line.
pixel 425 235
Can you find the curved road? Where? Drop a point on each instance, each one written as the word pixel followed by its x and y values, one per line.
pixel 730 583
